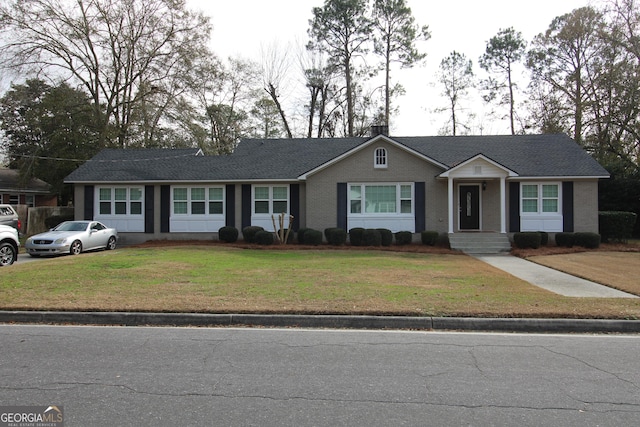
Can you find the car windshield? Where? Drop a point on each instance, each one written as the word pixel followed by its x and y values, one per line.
pixel 72 226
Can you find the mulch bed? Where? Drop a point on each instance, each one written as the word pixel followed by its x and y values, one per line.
pixel 410 248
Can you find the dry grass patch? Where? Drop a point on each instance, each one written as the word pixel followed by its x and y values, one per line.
pixel 216 279
pixel 620 270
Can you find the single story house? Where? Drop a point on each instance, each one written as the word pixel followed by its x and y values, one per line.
pixel 34 193
pixel 499 184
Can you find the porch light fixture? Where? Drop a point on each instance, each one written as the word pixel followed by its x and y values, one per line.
pixel 484 185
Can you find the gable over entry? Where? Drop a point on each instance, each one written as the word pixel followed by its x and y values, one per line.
pixel 465 184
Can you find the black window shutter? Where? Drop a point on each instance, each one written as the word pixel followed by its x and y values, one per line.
pixel 419 202
pixel 514 207
pixel 246 205
pixel 88 202
pixel 148 209
pixel 230 206
pixel 567 206
pixel 341 221
pixel 165 208
pixel 294 192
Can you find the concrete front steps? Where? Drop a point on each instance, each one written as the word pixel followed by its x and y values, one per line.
pixel 480 243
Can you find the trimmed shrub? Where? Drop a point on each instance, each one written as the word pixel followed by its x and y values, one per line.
pixel 544 238
pixel 371 237
pixel 429 238
pixel 386 237
pixel 54 220
pixel 564 240
pixel 263 237
pixel 289 238
pixel 356 236
pixel 587 240
pixel 616 226
pixel 228 234
pixel 404 237
pixel 443 240
pixel 527 239
pixel 312 237
pixel 335 236
pixel 249 233
pixel 301 232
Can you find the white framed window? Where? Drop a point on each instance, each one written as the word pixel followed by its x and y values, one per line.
pixel 121 207
pixel 540 198
pixel 197 201
pixel 380 158
pixel 541 206
pixel 120 201
pixel 381 205
pixel 383 199
pixel 270 199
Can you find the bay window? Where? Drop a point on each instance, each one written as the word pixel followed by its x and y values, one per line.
pixel 374 199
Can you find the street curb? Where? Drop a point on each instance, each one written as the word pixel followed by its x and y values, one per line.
pixel 325 321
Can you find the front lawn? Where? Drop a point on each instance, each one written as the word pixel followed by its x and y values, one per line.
pixel 217 279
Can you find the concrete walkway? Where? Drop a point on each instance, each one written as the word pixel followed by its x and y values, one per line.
pixel 550 279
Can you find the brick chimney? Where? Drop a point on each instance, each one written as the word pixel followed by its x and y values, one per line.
pixel 379 130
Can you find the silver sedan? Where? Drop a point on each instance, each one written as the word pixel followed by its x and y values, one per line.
pixel 72 237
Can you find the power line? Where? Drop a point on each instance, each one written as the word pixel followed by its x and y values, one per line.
pixel 62 159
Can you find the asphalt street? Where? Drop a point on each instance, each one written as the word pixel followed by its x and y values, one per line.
pixel 131 376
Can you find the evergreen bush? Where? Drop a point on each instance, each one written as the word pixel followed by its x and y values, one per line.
pixel 249 233
pixel 371 237
pixel 301 233
pixel 335 236
pixel 290 238
pixel 527 239
pixel 55 220
pixel 228 234
pixel 386 237
pixel 356 236
pixel 616 226
pixel 564 240
pixel 429 238
pixel 544 238
pixel 587 240
pixel 263 237
pixel 404 237
pixel 312 237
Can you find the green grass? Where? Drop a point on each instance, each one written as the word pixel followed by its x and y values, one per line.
pixel 222 280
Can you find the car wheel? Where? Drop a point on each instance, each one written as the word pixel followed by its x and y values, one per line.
pixel 111 244
pixel 8 254
pixel 76 247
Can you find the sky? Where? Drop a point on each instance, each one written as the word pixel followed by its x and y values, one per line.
pixel 245 27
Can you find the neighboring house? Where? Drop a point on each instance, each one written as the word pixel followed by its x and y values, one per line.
pixel 501 184
pixel 32 194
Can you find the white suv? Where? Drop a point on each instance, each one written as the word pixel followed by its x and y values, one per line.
pixel 9 245
pixel 8 216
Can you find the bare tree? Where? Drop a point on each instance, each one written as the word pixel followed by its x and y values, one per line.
pixel 124 53
pixel 456 75
pixel 275 67
pixel 342 30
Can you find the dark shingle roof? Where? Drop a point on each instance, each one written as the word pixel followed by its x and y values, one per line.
pixel 10 181
pixel 287 159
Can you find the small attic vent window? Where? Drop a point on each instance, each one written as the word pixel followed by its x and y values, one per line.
pixel 477 170
pixel 380 158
